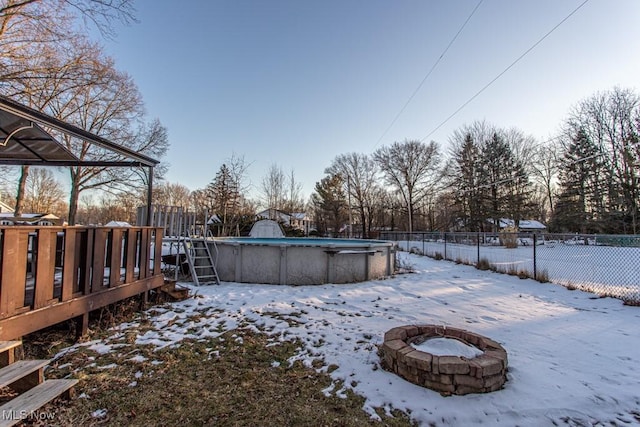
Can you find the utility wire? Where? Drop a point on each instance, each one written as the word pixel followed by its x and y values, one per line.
pixel 435 64
pixel 505 70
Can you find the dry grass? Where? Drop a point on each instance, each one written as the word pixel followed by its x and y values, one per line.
pixel 241 378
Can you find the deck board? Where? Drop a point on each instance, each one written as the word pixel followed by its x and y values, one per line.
pixel 30 401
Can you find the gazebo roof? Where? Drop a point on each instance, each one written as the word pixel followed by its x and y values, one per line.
pixel 23 141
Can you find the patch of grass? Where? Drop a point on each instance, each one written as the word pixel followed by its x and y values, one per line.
pixel 219 381
pixel 438 256
pixel 542 276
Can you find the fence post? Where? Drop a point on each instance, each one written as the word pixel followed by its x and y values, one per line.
pixel 535 267
pixel 423 252
pixel 478 238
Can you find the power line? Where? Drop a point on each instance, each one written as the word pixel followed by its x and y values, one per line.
pixel 435 64
pixel 506 69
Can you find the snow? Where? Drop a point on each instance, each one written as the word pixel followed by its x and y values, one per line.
pixel 574 359
pixel 447 347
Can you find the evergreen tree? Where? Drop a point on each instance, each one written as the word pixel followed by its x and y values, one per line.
pixel 330 204
pixel 580 198
pixel 468 185
pixel 497 164
pixel 225 198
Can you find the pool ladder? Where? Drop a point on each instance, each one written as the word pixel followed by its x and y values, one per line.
pixel 201 263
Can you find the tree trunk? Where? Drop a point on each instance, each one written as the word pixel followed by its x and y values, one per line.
pixel 22 182
pixel 74 197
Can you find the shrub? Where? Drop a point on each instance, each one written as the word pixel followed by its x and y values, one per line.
pixel 543 276
pixel 484 264
pixel 437 256
pixel 509 237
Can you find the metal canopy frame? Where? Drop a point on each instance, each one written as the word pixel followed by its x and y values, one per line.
pixel 23 141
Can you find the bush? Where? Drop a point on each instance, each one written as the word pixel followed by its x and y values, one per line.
pixel 438 256
pixel 484 264
pixel 543 276
pixel 509 237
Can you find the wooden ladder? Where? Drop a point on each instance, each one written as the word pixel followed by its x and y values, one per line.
pixel 201 263
pixel 26 377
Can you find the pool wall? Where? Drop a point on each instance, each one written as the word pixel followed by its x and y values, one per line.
pixel 303 261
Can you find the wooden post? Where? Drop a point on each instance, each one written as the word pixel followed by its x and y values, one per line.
pixel 14 271
pixel 69 268
pixel 45 267
pixel 99 245
pixel 82 325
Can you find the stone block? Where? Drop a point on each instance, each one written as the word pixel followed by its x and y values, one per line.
pixel 428 330
pixel 494 380
pixel 409 373
pixel 437 386
pixel 420 360
pixel 392 347
pixel 500 355
pixel 488 365
pixel 475 340
pixel 404 354
pixel 435 362
pixel 491 344
pixel 465 389
pixel 412 331
pixel 396 334
pixel 453 365
pixel 466 380
pixel 455 333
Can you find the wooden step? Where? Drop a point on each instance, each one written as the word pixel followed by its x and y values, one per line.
pixel 20 407
pixel 23 374
pixel 8 352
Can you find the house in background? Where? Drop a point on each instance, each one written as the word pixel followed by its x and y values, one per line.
pixel 7 218
pixel 525 225
pixel 296 220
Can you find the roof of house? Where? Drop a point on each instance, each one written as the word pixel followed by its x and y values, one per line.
pixel 530 224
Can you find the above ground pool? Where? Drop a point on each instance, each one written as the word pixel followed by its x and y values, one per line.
pixel 302 261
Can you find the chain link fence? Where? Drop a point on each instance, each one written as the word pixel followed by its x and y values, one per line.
pixel 606 265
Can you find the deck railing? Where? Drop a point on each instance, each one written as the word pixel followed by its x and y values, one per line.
pixel 52 274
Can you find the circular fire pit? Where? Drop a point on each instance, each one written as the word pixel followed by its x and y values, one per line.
pixel 445 374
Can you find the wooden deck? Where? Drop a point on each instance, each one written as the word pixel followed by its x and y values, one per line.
pixel 52 274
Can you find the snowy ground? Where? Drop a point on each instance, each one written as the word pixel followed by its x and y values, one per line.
pixel 601 269
pixel 574 359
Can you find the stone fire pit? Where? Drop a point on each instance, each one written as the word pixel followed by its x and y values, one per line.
pixel 445 374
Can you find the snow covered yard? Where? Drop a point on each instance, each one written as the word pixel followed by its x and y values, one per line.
pixel 574 359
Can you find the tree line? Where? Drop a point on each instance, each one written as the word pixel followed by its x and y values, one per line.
pixel 584 179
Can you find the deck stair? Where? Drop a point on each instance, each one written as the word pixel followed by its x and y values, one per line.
pixel 26 377
pixel 201 263
pixel 174 291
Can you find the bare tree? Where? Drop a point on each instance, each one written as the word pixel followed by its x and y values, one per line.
pixel 411 168
pixel 544 171
pixel 172 194
pixel 273 188
pixel 294 200
pixel 43 57
pixel 359 172
pixel 44 194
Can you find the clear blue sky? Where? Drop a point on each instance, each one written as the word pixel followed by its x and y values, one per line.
pixel 298 82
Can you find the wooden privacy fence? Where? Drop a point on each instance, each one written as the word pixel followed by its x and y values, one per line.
pixel 52 274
